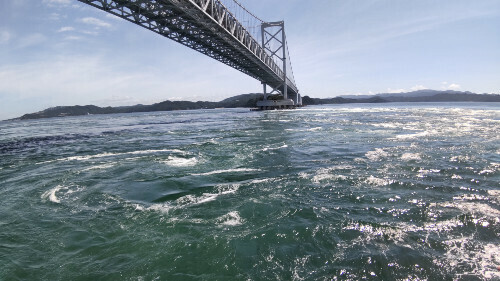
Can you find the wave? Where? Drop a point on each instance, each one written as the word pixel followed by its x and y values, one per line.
pixel 190 200
pixel 415 136
pixel 36 142
pixel 376 155
pixel 371 180
pixel 230 219
pixel 180 162
pixel 216 172
pixel 111 154
pixel 411 157
pixel 99 167
pixel 267 148
pixel 51 194
pixel 59 192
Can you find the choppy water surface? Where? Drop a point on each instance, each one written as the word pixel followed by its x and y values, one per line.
pixel 350 192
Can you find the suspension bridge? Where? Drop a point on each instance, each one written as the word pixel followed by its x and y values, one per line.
pixel 223 30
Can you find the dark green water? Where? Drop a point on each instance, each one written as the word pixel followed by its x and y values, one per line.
pixel 351 192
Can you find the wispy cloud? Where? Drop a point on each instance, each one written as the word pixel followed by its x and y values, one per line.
pixel 95 22
pixel 56 2
pixel 395 91
pixel 418 87
pixel 411 89
pixel 73 38
pixel 66 28
pixel 452 86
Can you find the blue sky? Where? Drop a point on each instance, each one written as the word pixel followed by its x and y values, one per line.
pixel 63 52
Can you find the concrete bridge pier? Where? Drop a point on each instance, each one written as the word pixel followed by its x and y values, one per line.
pixel 275 104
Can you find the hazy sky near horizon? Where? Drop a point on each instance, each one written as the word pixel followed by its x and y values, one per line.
pixel 63 52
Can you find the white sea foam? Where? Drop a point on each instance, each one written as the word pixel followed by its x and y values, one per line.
pixel 413 136
pixel 51 194
pixel 180 162
pixel 325 174
pixel 486 171
pixel 378 181
pixel 375 232
pixel 454 252
pixel 193 200
pixel 55 194
pixel 274 148
pixel 230 219
pixel 389 125
pixel 423 172
pixel 376 155
pixel 411 157
pixel 256 181
pixel 153 151
pixel 323 177
pixel 109 154
pixel 87 157
pixel 99 167
pixel 216 172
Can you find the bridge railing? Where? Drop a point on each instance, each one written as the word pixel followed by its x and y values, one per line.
pixel 218 11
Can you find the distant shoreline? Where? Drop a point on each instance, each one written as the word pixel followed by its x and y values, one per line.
pixel 250 100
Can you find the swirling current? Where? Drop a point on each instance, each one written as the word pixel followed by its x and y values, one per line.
pixel 334 192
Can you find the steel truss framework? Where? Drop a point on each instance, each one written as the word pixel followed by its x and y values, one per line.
pixel 206 26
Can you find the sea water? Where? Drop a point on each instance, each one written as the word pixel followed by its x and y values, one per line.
pixel 334 192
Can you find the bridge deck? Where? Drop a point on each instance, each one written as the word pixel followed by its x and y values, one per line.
pixel 205 26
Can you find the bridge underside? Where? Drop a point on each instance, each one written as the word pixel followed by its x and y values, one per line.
pixel 205 26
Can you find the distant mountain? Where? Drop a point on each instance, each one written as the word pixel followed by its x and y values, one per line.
pixel 246 100
pixel 440 96
pixel 415 96
pixel 250 100
pixel 306 100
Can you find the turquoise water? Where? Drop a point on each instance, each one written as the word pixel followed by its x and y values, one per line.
pixel 339 192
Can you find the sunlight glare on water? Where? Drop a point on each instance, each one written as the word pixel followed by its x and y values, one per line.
pixel 337 192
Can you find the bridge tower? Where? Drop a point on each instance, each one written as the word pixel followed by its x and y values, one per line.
pixel 275 44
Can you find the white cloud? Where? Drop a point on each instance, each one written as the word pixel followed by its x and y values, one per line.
pixel 111 16
pixel 96 22
pixel 418 87
pixel 454 87
pixel 4 37
pixel 73 38
pixel 395 91
pixel 66 28
pixel 56 2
